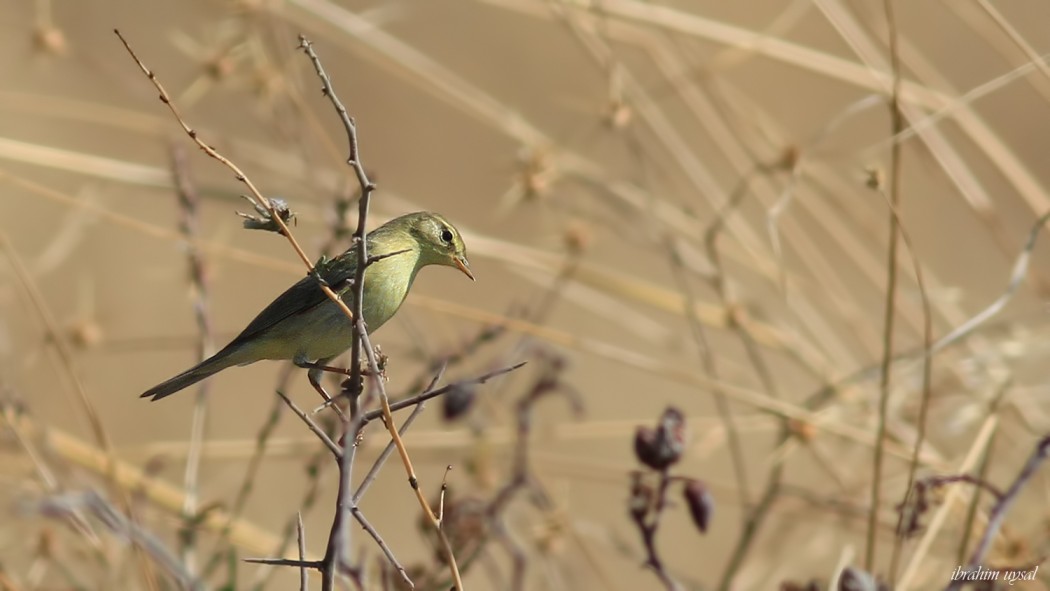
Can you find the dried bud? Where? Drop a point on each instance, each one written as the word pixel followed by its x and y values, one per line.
pixel 672 428
pixel 264 220
pixel 661 447
pixel 86 334
pixel 874 179
pixel 789 157
pixel 577 237
pixel 536 173
pixel 457 402
pixel 51 40
pixel 220 67
pixel 647 449
pixel 805 431
pixel 700 502
pixel 618 114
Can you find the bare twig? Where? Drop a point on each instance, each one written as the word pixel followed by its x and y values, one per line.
pixel 414 400
pixel 890 312
pixel 304 578
pixel 338 547
pixel 337 541
pixel 927 363
pixel 188 199
pixel 314 427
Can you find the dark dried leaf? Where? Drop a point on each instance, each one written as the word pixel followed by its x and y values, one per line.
pixel 700 502
pixel 661 447
pixel 457 402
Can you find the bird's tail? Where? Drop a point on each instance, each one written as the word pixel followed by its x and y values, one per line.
pixel 204 369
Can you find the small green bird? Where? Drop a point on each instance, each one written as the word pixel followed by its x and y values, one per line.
pixel 303 325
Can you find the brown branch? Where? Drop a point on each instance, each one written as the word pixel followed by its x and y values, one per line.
pixel 889 312
pixel 337 541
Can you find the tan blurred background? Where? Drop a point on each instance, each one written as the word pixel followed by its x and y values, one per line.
pixel 564 141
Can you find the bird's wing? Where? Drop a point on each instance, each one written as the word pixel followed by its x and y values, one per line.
pixel 301 297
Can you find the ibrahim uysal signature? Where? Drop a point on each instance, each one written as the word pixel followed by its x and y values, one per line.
pixel 994 574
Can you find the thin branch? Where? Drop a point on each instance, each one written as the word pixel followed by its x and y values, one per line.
pixel 414 400
pixel 370 477
pixel 361 340
pixel 890 312
pixel 314 427
pixel 188 200
pixel 339 538
pixel 304 578
pixel 370 529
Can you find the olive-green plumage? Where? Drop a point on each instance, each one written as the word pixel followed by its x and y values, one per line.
pixel 303 325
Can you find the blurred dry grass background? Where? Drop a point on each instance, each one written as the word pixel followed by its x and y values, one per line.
pixel 672 196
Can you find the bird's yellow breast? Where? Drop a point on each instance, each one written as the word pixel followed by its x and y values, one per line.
pixel 387 283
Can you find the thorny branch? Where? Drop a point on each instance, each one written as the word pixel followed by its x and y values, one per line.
pixel 338 544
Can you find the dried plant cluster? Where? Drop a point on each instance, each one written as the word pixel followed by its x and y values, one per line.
pixel 761 295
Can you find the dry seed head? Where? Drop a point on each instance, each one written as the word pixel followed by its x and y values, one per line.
pixel 535 172
pixel 789 157
pixel 220 67
pixel 803 430
pixel 85 334
pixel 700 503
pixel 874 178
pixel 577 237
pixel 51 40
pixel 618 114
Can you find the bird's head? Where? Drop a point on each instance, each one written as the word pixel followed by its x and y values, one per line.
pixel 439 241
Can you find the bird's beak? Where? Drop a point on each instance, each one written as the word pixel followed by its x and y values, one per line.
pixel 462 264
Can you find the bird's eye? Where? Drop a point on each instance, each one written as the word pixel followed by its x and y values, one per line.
pixel 446 236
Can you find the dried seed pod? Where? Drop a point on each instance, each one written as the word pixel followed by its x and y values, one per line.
pixel 661 447
pixel 647 449
pixel 700 502
pixel 457 402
